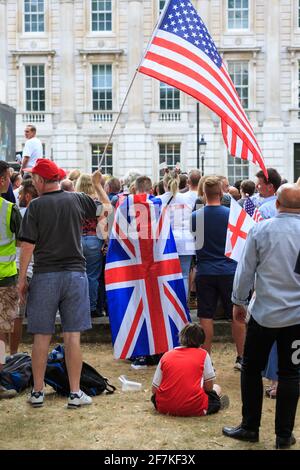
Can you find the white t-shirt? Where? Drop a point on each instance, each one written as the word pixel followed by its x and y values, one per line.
pixel 34 150
pixel 190 197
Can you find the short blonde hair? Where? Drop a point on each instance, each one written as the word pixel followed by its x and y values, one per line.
pixel 212 187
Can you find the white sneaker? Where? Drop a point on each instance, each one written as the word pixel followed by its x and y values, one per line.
pixel 7 392
pixel 36 399
pixel 76 400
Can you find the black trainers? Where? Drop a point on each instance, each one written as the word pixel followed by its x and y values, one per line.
pixel 140 363
pixel 238 363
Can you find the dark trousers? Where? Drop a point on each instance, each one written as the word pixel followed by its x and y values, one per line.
pixel 259 341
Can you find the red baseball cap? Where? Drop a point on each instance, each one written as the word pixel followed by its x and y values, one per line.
pixel 47 169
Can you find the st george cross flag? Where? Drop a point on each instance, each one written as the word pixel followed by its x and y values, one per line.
pixel 239 224
pixel 183 55
pixel 144 284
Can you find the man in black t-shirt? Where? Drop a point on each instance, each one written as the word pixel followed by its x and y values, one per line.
pixel 51 230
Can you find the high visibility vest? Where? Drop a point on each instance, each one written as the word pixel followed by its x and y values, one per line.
pixel 8 250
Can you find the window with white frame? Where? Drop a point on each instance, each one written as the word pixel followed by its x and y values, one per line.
pixel 169 97
pixel 34 16
pixel 35 87
pixel 101 11
pixel 238 169
pixel 169 154
pixel 107 162
pixel 239 73
pixel 238 14
pixel 102 87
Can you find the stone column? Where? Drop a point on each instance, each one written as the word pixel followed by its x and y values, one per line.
pixel 67 70
pixel 272 61
pixel 3 52
pixel 135 50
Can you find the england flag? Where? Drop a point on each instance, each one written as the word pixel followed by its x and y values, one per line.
pixel 239 224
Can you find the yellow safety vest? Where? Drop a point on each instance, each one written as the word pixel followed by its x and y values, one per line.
pixel 8 265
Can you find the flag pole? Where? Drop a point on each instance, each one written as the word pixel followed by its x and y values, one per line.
pixel 117 119
pixel 131 83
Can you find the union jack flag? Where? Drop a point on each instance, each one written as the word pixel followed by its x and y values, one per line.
pixel 144 285
pixel 183 55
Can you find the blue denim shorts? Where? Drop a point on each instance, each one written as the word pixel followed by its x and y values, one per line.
pixel 66 291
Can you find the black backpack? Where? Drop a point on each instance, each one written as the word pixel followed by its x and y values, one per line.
pixel 91 382
pixel 17 372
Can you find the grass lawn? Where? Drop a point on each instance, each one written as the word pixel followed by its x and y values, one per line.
pixel 127 420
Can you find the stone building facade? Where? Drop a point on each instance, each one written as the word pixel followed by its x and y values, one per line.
pixel 66 65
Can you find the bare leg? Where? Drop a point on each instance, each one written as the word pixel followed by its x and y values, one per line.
pixel 217 389
pixel 3 338
pixel 16 336
pixel 73 359
pixel 40 351
pixel 208 327
pixel 239 334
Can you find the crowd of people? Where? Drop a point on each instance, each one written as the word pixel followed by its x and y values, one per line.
pixel 61 222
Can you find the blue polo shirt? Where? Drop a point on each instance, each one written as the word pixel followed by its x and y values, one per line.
pixel 210 223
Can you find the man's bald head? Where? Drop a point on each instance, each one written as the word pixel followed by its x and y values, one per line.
pixel 288 198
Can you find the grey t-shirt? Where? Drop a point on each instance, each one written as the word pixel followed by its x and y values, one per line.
pixel 53 223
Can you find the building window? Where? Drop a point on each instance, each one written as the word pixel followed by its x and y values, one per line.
pixel 35 87
pixel 238 14
pixel 170 155
pixel 298 13
pixel 102 87
pixel 34 16
pixel 239 74
pixel 101 15
pixel 107 164
pixel 238 169
pixel 161 5
pixel 169 97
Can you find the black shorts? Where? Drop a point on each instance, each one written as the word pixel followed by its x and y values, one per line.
pixel 209 288
pixel 214 402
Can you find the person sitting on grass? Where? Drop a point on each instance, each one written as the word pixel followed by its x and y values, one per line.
pixel 183 383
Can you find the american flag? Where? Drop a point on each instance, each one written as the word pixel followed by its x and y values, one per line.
pixel 252 210
pixel 144 285
pixel 183 55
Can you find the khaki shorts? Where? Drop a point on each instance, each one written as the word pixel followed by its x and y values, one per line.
pixel 9 302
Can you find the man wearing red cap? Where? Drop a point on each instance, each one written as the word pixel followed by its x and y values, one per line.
pixel 51 231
